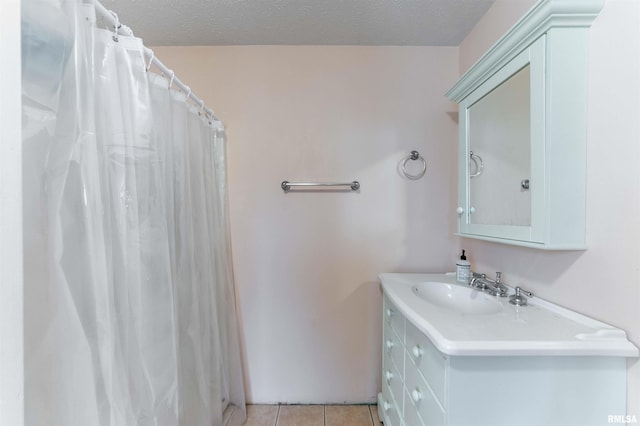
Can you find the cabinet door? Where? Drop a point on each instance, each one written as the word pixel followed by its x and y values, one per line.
pixel 501 159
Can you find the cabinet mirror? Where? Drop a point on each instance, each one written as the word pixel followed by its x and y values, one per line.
pixel 499 156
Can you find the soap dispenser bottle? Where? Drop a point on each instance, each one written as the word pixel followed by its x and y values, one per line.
pixel 463 269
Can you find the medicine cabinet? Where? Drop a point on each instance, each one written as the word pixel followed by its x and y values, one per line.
pixel 522 131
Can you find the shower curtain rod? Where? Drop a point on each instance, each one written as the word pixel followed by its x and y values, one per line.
pixel 112 20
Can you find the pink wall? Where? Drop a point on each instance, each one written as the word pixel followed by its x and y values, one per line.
pixel 306 264
pixel 603 281
pixel 493 25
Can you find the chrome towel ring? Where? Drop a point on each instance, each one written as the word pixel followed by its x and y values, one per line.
pixel 477 161
pixel 415 155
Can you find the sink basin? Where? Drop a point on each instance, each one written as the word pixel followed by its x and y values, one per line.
pixel 458 298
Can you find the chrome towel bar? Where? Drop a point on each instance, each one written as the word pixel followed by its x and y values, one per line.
pixel 286 185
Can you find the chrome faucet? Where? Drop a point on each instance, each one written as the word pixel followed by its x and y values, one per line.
pixel 479 281
pixel 494 288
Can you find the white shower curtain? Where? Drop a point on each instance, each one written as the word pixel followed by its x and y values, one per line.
pixel 129 303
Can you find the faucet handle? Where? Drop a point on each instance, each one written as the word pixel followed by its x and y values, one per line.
pixel 498 288
pixel 518 299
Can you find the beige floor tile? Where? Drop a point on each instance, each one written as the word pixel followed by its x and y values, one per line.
pixel 301 415
pixel 261 415
pixel 374 415
pixel 347 415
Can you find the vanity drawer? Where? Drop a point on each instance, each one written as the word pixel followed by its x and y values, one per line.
pixel 420 397
pixel 411 416
pixel 392 347
pixel 394 318
pixel 428 360
pixel 392 380
pixel 390 415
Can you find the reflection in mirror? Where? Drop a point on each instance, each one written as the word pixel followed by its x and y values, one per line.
pixel 499 129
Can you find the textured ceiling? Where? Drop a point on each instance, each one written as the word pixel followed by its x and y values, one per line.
pixel 300 22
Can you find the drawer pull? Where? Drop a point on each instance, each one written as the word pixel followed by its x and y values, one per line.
pixel 386 406
pixel 389 312
pixel 388 375
pixel 417 351
pixel 390 344
pixel 416 395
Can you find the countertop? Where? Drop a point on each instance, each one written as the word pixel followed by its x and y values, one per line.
pixel 539 329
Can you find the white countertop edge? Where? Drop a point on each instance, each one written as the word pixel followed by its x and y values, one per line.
pixel 617 346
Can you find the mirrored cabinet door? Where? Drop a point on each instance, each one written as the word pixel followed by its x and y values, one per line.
pixel 500 137
pixel 501 129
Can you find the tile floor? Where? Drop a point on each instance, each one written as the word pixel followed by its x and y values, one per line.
pixel 312 415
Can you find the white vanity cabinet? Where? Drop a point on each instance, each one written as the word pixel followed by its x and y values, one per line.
pixel 423 386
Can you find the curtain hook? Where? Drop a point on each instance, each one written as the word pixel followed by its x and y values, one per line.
pixel 153 55
pixel 201 107
pixel 189 92
pixel 116 26
pixel 211 114
pixel 173 75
